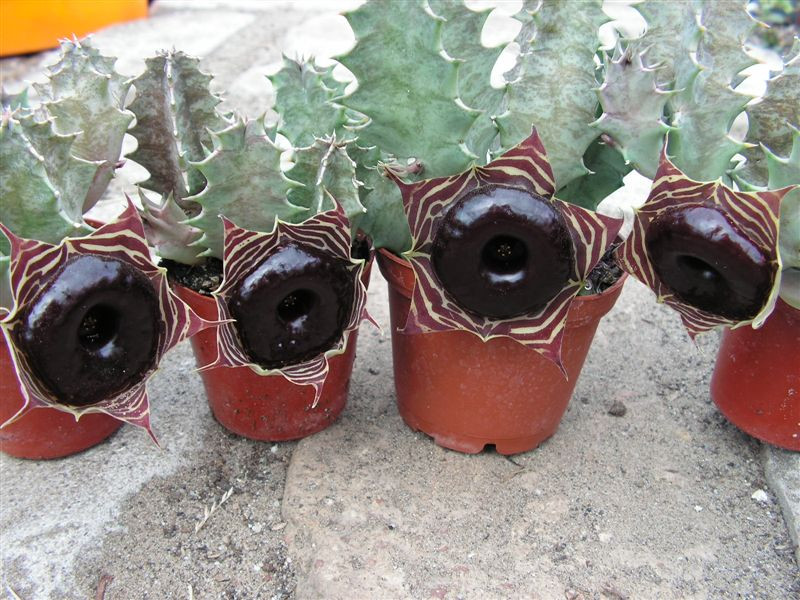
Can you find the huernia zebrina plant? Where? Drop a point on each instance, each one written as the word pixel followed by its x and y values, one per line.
pixel 708 240
pixel 478 170
pixel 89 315
pixel 291 291
pixel 416 157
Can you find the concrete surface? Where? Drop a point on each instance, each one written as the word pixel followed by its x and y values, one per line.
pixel 666 501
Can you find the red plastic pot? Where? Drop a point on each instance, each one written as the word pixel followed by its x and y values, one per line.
pixel 756 381
pixel 44 432
pixel 268 408
pixel 467 393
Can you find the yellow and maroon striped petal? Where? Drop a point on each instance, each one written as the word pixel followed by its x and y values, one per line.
pixel 754 214
pixel 427 202
pixel 34 263
pixel 327 231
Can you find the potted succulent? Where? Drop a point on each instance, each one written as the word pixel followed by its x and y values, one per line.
pixel 86 316
pixel 465 203
pixel 266 250
pixel 718 238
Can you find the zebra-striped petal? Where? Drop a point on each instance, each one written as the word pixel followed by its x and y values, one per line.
pixel 246 250
pixel 426 203
pixel 35 264
pixel 752 217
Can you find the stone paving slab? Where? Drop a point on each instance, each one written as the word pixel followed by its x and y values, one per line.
pixel 656 503
pixel 783 476
pixel 667 501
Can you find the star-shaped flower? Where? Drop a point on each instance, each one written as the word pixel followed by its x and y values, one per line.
pixel 90 321
pixel 496 254
pixel 706 250
pixel 289 299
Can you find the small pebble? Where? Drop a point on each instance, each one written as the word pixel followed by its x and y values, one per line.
pixel 760 496
pixel 618 409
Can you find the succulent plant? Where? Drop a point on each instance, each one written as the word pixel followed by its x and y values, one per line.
pixel 232 169
pixel 291 289
pixel 87 316
pixel 477 190
pixel 669 102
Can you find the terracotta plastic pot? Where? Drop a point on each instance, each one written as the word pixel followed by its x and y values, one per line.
pixel 267 408
pixel 467 393
pixel 756 381
pixel 44 432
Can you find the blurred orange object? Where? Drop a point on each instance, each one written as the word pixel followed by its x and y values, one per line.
pixel 33 25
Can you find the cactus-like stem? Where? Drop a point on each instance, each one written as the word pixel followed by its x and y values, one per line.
pixel 782 172
pixel 42 185
pixel 385 222
pixel 704 110
pixel 245 183
pixel 411 97
pixel 771 119
pixel 461 38
pixel 672 33
pixel 85 96
pixel 167 231
pixel 691 56
pixel 633 107
pixel 303 95
pixel 175 113
pixel 327 173
pixel 559 101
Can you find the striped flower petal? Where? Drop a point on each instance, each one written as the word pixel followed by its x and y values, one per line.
pixel 35 264
pixel 752 215
pixel 245 250
pixel 427 203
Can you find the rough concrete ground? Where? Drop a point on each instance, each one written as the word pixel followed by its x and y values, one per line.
pixel 667 500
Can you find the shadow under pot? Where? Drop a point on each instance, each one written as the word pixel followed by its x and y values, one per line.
pixel 467 393
pixel 89 334
pixel 286 313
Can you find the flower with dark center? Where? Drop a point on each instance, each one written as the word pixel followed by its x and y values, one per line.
pixel 290 299
pixel 496 254
pixel 90 321
pixel 707 251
